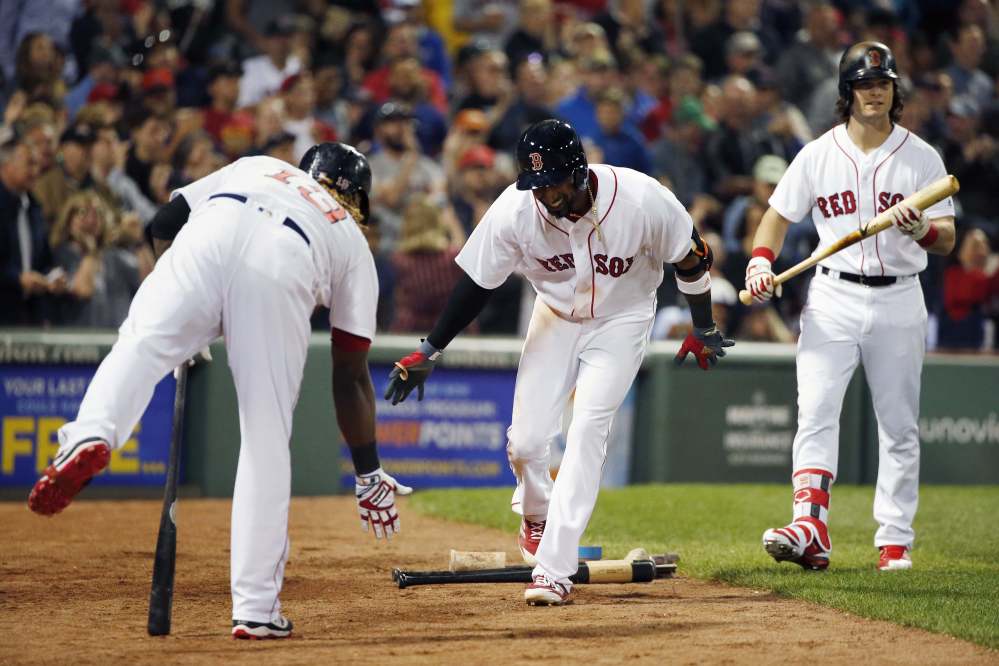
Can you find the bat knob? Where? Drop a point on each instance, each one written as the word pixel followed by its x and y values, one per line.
pixel 745 297
pixel 403 580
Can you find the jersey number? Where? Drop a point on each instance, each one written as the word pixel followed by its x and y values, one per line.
pixel 324 204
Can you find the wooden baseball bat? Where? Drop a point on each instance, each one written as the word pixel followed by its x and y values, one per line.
pixel 161 593
pixel 923 199
pixel 603 571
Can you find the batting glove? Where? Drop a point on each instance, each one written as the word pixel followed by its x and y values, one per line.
pixel 376 493
pixel 760 279
pixel 411 372
pixel 706 344
pixel 910 220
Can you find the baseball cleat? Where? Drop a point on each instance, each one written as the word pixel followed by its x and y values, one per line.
pixel 529 538
pixel 68 474
pixel 280 628
pixel 798 543
pixel 546 592
pixel 894 558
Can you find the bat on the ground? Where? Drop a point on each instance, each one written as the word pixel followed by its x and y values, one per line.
pixel 923 199
pixel 161 594
pixel 603 571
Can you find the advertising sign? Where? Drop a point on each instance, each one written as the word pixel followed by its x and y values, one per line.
pixel 36 400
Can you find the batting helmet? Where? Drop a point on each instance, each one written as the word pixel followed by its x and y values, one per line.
pixel 866 60
pixel 549 152
pixel 340 168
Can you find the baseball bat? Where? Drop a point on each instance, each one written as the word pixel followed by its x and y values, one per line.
pixel 605 571
pixel 922 199
pixel 161 593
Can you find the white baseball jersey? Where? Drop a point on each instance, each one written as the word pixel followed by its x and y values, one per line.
pixel 346 281
pixel 844 189
pixel 579 270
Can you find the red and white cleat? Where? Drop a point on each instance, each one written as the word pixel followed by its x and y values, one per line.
pixel 71 470
pixel 529 538
pixel 800 542
pixel 546 592
pixel 894 558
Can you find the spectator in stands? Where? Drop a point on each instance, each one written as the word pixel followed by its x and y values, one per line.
pixel 628 26
pixel 679 155
pixel 477 185
pixel 744 54
pixel 159 94
pixel 732 150
pixel 37 124
pixel 813 60
pixel 762 323
pixel 281 146
pixel 37 69
pixel 25 256
pixel 194 158
pixel 103 70
pixel 468 128
pixel 708 43
pixel 223 93
pixel 360 52
pixel 69 175
pixel 537 32
pixel 299 95
pixel 408 86
pixel 402 41
pixel 264 74
pixel 149 134
pixel 433 51
pixel 331 95
pixel 107 170
pixel 783 125
pixel 490 23
pixel 491 89
pixel 528 107
pixel 621 145
pixel 972 156
pixel 424 266
pixel 102 278
pixel 971 84
pixel 599 72
pixel 650 78
pixel 400 172
pixel 968 288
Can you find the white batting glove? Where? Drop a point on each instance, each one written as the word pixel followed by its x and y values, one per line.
pixel 760 279
pixel 910 220
pixel 376 493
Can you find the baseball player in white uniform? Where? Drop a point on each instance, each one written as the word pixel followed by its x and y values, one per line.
pixel 592 240
pixel 864 303
pixel 258 245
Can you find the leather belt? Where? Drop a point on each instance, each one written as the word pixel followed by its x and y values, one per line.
pixel 866 280
pixel 288 222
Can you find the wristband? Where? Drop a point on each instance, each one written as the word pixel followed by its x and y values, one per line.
pixel 429 351
pixel 930 238
pixel 765 252
pixel 365 458
pixel 701 285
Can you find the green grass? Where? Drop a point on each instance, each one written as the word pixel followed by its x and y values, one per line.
pixel 954 587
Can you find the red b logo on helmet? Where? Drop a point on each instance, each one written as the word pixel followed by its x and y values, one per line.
pixel 536 163
pixel 874 56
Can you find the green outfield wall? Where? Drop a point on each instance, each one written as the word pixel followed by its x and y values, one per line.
pixel 735 423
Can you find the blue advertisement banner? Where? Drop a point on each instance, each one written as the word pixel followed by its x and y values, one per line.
pixel 36 400
pixel 454 437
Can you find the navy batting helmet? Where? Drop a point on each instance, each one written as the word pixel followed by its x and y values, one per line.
pixel 866 60
pixel 340 168
pixel 549 152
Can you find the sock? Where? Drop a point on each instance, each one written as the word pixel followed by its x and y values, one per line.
pixel 811 502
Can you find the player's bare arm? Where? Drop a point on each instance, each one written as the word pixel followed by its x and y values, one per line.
pixel 693 278
pixel 767 244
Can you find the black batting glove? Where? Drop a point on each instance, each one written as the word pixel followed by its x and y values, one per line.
pixel 411 372
pixel 706 344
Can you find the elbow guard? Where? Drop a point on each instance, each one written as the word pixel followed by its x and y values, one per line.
pixel 168 220
pixel 702 251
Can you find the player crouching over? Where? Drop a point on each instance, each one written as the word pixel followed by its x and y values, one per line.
pixel 592 241
pixel 864 303
pixel 248 252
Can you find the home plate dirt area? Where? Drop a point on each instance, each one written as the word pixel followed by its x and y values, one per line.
pixel 75 589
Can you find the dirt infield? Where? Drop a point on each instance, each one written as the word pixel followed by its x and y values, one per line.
pixel 74 589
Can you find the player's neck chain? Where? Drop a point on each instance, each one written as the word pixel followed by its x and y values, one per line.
pixel 595 221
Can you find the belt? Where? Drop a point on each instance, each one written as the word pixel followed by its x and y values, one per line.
pixel 288 222
pixel 866 280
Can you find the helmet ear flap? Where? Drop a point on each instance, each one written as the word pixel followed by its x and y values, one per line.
pixel 579 177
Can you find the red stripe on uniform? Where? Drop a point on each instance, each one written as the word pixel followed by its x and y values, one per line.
pixel 874 194
pixel 593 270
pixel 541 213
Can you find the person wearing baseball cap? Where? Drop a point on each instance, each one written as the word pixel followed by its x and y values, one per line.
pixel 223 91
pixel 264 74
pixel 70 174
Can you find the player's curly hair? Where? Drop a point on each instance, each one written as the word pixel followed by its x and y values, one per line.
pixel 351 202
pixel 844 105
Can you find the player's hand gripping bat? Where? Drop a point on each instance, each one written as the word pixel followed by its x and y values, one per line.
pixel 923 199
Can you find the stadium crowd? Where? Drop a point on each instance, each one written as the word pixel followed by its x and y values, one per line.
pixel 108 105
